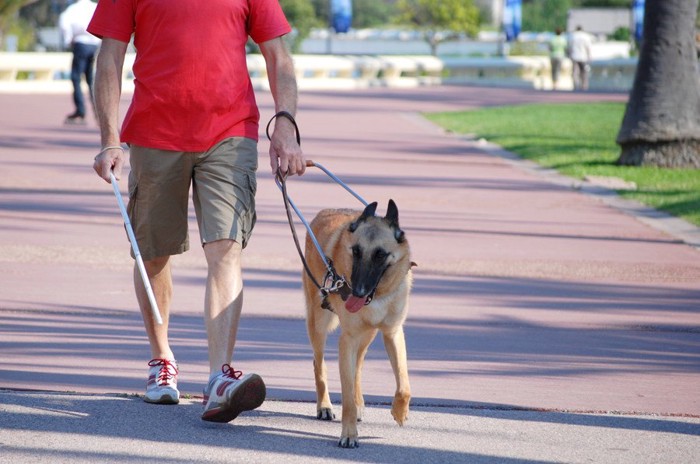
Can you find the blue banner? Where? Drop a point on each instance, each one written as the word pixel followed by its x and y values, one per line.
pixel 638 19
pixel 512 18
pixel 341 15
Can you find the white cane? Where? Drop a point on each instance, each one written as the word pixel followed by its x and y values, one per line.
pixel 135 248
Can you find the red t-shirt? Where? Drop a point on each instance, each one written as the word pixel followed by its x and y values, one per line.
pixel 192 87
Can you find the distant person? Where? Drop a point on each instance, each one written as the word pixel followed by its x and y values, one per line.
pixel 557 53
pixel 580 54
pixel 73 23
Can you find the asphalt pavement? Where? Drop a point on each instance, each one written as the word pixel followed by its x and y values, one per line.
pixel 550 321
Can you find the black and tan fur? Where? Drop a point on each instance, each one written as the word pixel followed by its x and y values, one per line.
pixel 368 251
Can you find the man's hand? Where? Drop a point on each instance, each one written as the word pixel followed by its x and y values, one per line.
pixel 108 81
pixel 109 159
pixel 285 152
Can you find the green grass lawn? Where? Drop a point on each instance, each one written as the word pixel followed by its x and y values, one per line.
pixel 577 140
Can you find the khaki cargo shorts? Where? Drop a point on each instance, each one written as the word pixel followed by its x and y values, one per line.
pixel 223 192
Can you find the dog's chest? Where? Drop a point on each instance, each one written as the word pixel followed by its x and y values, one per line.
pixel 384 312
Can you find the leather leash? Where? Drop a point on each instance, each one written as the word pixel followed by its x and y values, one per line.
pixel 332 283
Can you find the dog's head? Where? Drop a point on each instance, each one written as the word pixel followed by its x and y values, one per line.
pixel 380 254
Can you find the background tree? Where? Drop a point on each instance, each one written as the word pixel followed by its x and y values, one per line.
pixel 372 13
pixel 603 3
pixel 545 15
pixel 302 17
pixel 9 10
pixel 322 10
pixel 365 13
pixel 440 20
pixel 661 126
pixel 43 13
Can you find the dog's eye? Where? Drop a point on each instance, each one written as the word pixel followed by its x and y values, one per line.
pixel 380 255
pixel 356 253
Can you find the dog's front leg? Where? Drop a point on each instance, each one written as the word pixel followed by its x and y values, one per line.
pixel 347 352
pixel 317 335
pixel 364 341
pixel 324 410
pixel 395 345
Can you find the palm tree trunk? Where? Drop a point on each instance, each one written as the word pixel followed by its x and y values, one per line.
pixel 661 126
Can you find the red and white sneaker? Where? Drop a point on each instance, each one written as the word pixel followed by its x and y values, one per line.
pixel 230 393
pixel 161 387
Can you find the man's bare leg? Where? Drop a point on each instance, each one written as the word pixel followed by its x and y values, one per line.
pixel 161 386
pixel 229 392
pixel 223 300
pixel 158 271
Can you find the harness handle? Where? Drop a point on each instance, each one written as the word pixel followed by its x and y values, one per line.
pixel 332 281
pixel 282 184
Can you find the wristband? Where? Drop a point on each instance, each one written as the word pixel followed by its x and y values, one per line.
pixel 111 147
pixel 284 114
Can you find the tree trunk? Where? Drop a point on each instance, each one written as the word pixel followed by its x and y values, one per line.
pixel 433 41
pixel 661 126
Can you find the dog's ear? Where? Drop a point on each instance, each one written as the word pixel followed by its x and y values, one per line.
pixel 368 212
pixel 392 215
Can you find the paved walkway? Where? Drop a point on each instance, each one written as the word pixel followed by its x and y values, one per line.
pixel 545 325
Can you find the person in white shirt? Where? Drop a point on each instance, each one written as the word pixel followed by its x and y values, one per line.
pixel 73 23
pixel 580 54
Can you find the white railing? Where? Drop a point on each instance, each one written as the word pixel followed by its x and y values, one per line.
pixel 50 72
pixel 352 72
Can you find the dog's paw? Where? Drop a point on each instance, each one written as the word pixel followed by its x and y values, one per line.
pixel 348 442
pixel 348 436
pixel 400 418
pixel 325 414
pixel 399 409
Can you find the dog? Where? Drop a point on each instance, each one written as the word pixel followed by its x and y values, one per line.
pixel 374 253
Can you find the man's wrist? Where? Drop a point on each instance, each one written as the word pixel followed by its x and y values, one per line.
pixel 108 148
pixel 285 122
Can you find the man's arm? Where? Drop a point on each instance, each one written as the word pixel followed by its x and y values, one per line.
pixel 285 152
pixel 66 31
pixel 108 85
pixel 589 48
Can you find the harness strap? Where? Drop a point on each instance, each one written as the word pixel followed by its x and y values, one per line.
pixel 333 283
pixel 283 184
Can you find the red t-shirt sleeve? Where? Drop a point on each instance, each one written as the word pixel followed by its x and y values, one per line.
pixel 114 20
pixel 266 21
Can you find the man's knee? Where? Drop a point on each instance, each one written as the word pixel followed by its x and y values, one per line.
pixel 156 265
pixel 222 251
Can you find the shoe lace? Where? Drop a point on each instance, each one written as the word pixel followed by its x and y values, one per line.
pixel 167 372
pixel 231 372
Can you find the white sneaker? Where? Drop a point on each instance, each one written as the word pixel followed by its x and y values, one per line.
pixel 230 393
pixel 161 387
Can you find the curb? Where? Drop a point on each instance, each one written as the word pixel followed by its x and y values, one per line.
pixel 678 228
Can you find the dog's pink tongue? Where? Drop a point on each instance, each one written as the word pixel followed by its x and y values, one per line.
pixel 354 303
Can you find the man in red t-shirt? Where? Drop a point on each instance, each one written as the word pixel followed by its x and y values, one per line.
pixel 193 119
